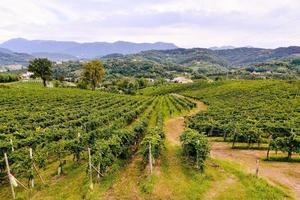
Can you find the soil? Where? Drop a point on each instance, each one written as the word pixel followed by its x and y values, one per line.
pixel 175 126
pixel 282 173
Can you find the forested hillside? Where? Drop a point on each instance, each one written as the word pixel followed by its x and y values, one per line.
pixel 8 57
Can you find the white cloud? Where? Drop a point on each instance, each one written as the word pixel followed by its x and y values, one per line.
pixel 188 23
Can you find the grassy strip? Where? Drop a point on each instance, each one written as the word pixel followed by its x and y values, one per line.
pixel 249 186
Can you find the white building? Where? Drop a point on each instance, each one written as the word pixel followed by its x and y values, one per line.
pixel 27 75
pixel 182 80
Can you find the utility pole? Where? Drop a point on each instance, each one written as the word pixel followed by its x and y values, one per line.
pixel 9 176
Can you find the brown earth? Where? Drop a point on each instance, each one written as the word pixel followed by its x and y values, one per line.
pixel 282 173
pixel 175 126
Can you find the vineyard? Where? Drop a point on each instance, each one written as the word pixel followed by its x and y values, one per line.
pixel 81 144
pixel 58 123
pixel 265 113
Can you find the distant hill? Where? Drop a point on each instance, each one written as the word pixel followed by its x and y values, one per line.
pixel 222 48
pixel 183 56
pixel 200 60
pixel 8 57
pixel 247 56
pixel 81 50
pixel 55 56
pixel 237 57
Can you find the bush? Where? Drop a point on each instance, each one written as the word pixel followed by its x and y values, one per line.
pixel 4 86
pixel 5 78
pixel 154 137
pixel 195 146
pixel 82 84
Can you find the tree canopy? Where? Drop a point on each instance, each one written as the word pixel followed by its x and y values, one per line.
pixel 41 67
pixel 93 72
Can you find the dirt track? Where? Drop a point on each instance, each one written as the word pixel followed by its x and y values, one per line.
pixel 286 174
pixel 175 126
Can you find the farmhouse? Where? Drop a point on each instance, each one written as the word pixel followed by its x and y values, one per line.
pixel 26 75
pixel 182 80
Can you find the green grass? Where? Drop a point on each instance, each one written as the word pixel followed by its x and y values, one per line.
pixel 249 186
pixel 74 184
pixel 147 184
pixel 282 159
pixel 180 180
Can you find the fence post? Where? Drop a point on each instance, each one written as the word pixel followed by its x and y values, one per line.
pixel 31 159
pixel 150 158
pixel 257 167
pixel 90 170
pixel 8 173
pixel 12 145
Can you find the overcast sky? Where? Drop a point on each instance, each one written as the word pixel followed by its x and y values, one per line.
pixel 187 23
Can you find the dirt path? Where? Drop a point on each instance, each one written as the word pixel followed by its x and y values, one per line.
pixel 176 180
pixel 175 126
pixel 285 174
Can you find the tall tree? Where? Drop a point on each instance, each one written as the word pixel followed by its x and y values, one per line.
pixel 93 72
pixel 41 67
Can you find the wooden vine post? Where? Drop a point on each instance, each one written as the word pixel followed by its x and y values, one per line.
pixel 90 169
pixel 269 146
pixel 12 145
pixel 197 157
pixel 98 167
pixel 257 167
pixel 9 176
pixel 150 158
pixel 32 168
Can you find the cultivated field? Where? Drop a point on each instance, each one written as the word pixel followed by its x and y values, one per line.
pixel 97 145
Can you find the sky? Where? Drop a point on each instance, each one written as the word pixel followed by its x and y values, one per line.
pixel 186 23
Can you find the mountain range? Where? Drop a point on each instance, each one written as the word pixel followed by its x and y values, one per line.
pixel 80 50
pixel 20 51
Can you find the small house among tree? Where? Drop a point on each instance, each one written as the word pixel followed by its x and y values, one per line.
pixel 182 80
pixel 27 75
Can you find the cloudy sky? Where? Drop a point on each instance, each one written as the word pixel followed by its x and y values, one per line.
pixel 187 23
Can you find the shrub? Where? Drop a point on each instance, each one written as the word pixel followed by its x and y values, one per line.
pixel 195 146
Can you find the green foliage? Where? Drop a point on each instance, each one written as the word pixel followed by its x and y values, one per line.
pixel 41 67
pixel 60 122
pixel 195 145
pixel 165 106
pixel 153 138
pixel 68 69
pixel 289 143
pixel 93 72
pixel 248 111
pixel 82 83
pixel 6 77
